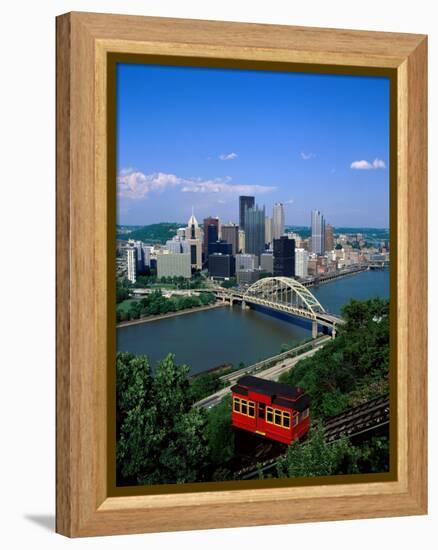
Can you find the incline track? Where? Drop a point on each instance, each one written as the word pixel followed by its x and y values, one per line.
pixel 358 420
pixel 355 421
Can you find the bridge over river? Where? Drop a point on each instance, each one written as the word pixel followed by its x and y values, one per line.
pixel 285 295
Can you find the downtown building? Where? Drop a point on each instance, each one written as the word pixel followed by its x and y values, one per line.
pixel 268 230
pixel 211 233
pixel 131 262
pixel 221 266
pixel 244 203
pixel 277 221
pixel 174 265
pixel 267 262
pixel 194 237
pixel 255 231
pixel 220 247
pixel 284 257
pixel 245 262
pixel 230 234
pixel 177 245
pixel 329 238
pixel 301 263
pixel 318 233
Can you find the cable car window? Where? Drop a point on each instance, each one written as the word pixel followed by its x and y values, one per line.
pixel 251 409
pixel 244 407
pixel 262 410
pixel 295 420
pixel 237 404
pixel 286 419
pixel 269 414
pixel 277 418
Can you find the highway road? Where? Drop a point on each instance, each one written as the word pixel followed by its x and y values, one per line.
pixel 273 373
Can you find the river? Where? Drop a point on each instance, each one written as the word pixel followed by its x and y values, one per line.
pixel 207 339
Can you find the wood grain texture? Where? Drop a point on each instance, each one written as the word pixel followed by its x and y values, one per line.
pixel 417 277
pixel 83 42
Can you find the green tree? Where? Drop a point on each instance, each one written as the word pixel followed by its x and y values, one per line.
pixel 136 419
pixel 220 436
pixel 122 294
pixel 230 283
pixel 160 438
pixel 316 457
pixel 203 385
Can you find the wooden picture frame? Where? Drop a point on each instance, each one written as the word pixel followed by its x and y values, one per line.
pixel 85 42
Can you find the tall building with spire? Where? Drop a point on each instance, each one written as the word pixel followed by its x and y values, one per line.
pixel 277 220
pixel 194 237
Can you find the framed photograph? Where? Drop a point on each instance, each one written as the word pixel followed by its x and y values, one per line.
pixel 241 274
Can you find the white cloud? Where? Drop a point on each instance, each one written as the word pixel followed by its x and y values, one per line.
pixel 229 156
pixel 290 201
pixel 361 165
pixel 378 163
pixel 365 165
pixel 133 184
pixel 307 156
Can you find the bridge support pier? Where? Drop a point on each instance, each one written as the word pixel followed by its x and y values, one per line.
pixel 231 302
pixel 244 306
pixel 334 332
pixel 314 329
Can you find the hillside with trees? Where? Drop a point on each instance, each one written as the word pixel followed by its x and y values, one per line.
pixel 154 233
pixel 352 368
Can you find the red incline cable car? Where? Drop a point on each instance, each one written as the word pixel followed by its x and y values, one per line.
pixel 276 411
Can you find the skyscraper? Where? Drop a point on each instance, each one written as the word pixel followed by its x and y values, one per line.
pixel 277 220
pixel 211 233
pixel 241 247
pixel 245 262
pixel 255 230
pixel 284 257
pixel 329 239
pixel 230 233
pixel 268 230
pixel 318 233
pixel 301 262
pixel 220 247
pixel 244 203
pixel 194 235
pixel 131 262
pixel 221 266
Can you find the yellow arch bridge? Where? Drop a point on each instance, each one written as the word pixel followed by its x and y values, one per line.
pixel 285 295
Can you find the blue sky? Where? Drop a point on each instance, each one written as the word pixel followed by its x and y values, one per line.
pixel 201 137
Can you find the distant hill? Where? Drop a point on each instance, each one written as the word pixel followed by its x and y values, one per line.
pixel 154 233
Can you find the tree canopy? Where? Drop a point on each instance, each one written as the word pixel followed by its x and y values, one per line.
pixel 161 439
pixel 352 368
pixel 316 457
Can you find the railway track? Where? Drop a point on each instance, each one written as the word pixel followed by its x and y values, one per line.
pixel 369 416
pixel 354 422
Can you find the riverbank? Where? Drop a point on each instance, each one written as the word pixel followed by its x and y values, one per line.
pixel 152 318
pixel 335 276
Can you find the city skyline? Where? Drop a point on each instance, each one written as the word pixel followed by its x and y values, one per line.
pixel 286 142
